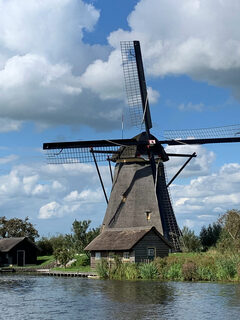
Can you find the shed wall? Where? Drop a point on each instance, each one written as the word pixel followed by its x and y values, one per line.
pixel 150 240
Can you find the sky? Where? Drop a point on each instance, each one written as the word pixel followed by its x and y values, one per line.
pixel 61 79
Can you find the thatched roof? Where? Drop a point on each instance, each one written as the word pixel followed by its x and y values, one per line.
pixel 120 239
pixel 6 244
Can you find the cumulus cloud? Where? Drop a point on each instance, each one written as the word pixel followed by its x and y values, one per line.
pixel 50 76
pixel 199 166
pixel 175 42
pixel 42 62
pixel 205 197
pixel 45 192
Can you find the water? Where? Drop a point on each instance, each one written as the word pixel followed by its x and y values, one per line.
pixel 39 297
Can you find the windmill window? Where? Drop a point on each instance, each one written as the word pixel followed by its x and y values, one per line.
pixel 148 215
pixel 123 198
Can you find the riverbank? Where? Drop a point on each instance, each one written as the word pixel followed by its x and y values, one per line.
pixel 210 266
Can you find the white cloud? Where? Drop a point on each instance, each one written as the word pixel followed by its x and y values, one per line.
pixel 41 63
pixel 204 198
pixel 8 159
pixel 191 107
pixel 198 166
pixel 174 40
pixel 49 210
pixel 50 76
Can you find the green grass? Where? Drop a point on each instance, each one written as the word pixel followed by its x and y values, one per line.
pixel 74 269
pixel 43 261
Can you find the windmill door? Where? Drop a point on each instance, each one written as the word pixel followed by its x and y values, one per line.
pixel 21 258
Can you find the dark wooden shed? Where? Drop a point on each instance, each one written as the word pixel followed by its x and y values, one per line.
pixel 132 245
pixel 18 251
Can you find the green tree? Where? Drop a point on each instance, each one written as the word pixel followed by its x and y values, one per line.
pixel 210 235
pixel 63 255
pixel 46 246
pixel 16 227
pixel 230 221
pixel 81 235
pixel 189 241
pixel 230 235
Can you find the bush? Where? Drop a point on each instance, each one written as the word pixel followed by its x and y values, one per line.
pixel 63 255
pixel 82 260
pixel 226 268
pixel 131 271
pixel 189 271
pixel 175 272
pixel 206 269
pixel 102 269
pixel 148 271
pixel 161 265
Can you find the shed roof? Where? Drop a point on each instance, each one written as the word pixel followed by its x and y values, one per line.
pixel 6 244
pixel 121 239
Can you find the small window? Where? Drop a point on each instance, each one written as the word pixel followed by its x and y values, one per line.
pixel 126 255
pixel 148 214
pixel 97 255
pixel 151 253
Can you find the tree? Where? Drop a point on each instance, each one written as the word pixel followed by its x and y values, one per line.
pixel 63 255
pixel 210 235
pixel 81 237
pixel 230 235
pixel 189 241
pixel 16 227
pixel 231 223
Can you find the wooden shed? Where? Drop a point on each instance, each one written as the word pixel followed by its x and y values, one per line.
pixel 132 245
pixel 18 251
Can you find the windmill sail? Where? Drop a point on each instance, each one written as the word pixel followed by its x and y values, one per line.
pixel 135 84
pixel 232 131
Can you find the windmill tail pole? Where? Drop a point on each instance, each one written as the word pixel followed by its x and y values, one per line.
pixel 181 169
pixel 110 168
pixel 99 175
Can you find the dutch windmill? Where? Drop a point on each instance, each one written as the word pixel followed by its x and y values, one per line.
pixel 139 196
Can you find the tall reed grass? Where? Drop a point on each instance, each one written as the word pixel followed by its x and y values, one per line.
pixel 180 267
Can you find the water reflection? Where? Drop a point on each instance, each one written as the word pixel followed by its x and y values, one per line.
pixel 47 298
pixel 140 292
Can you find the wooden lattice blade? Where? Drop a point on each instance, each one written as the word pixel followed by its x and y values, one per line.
pixel 199 141
pixel 204 133
pixel 135 84
pixel 80 151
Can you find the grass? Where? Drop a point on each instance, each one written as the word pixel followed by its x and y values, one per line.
pixel 202 266
pixel 74 269
pixel 43 261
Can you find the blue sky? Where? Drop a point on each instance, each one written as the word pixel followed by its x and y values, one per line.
pixel 61 79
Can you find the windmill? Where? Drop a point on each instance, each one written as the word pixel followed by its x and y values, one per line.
pixel 139 196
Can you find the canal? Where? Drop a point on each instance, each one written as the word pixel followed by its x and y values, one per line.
pixel 40 297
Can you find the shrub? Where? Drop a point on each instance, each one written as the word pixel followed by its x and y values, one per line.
pixel 175 272
pixel 131 271
pixel 82 260
pixel 102 269
pixel 148 271
pixel 161 265
pixel 226 268
pixel 189 271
